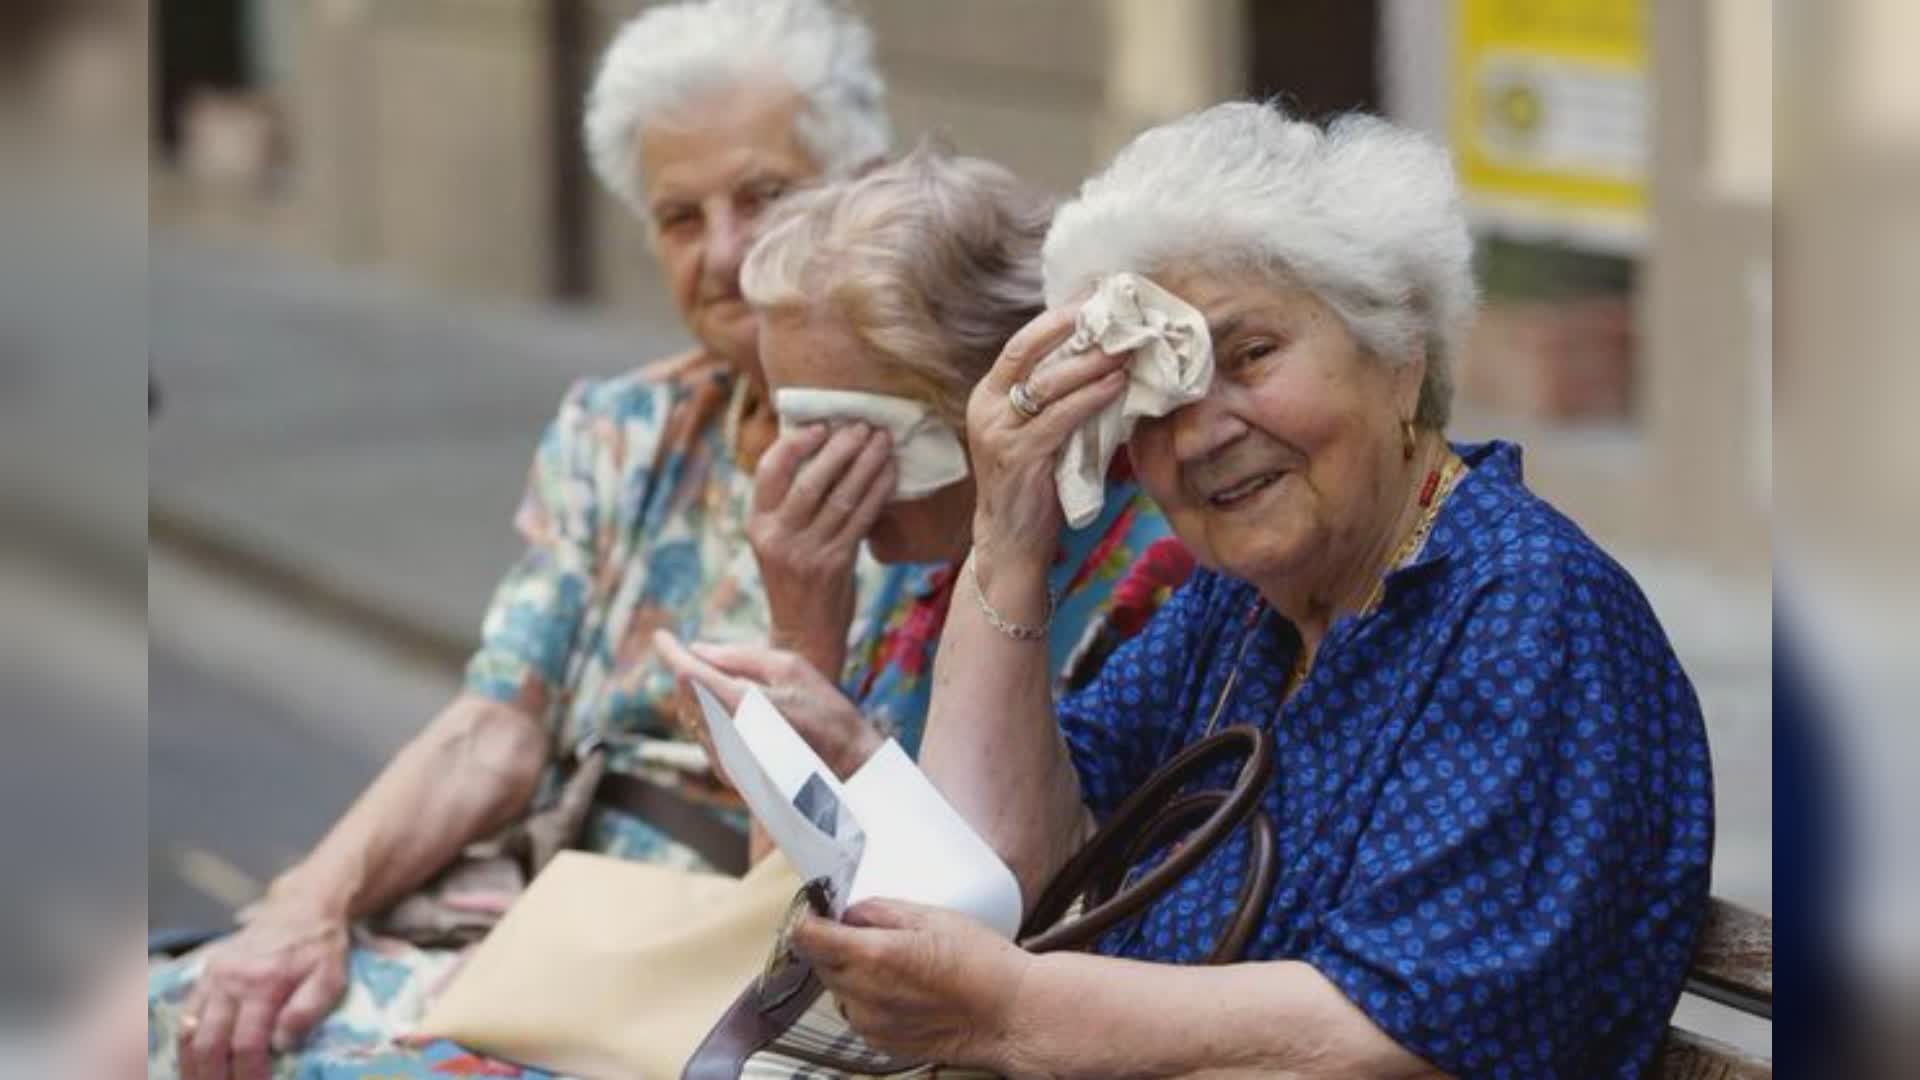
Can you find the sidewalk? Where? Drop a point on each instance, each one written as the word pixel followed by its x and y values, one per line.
pixel 363 441
pixel 362 445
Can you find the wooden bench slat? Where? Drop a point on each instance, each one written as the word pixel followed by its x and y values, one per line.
pixel 1695 1057
pixel 1734 963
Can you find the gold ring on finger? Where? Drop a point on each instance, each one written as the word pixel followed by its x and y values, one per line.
pixel 1020 396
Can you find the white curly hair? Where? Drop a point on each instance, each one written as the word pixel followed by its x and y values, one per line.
pixel 1364 213
pixel 671 53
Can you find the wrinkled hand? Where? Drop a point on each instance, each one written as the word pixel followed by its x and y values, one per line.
pixel 262 990
pixel 816 495
pixel 920 982
pixel 1016 521
pixel 818 711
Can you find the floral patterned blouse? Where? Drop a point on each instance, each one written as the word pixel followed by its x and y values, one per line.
pixel 1108 578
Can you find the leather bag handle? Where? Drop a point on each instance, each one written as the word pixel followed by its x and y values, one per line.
pixel 1150 817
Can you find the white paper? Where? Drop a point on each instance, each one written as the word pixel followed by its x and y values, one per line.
pixel 770 765
pixel 919 848
pixel 887 833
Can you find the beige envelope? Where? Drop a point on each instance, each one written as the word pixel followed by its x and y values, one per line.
pixel 610 968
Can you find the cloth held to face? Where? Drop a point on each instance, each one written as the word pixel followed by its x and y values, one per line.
pixel 1171 366
pixel 927 452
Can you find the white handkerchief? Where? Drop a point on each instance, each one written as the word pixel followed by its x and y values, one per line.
pixel 1172 365
pixel 927 454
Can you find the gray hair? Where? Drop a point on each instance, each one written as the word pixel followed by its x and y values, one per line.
pixel 932 261
pixel 675 52
pixel 1365 214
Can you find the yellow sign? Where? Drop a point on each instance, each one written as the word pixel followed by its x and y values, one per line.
pixel 1550 113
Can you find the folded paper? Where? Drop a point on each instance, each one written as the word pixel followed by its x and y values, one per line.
pixel 886 833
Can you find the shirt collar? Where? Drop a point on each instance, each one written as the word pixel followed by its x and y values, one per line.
pixel 1488 492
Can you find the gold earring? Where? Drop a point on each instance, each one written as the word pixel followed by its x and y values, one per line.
pixel 1406 439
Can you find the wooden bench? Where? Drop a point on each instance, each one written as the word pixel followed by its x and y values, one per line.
pixel 1733 966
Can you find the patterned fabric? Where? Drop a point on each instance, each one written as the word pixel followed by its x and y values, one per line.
pixel 1107 580
pixel 634 517
pixel 1492 794
pixel 822 1034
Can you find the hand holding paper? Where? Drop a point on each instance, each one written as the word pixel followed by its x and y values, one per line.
pixel 813 706
pixel 886 833
pixel 791 791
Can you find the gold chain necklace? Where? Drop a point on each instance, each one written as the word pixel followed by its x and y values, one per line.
pixel 1434 491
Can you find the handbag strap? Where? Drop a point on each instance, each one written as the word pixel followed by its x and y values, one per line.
pixel 721 845
pixel 1256 880
pixel 1149 817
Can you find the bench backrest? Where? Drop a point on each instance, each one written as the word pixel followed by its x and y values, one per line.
pixel 1733 966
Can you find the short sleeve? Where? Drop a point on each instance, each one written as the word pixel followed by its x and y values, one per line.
pixel 1118 727
pixel 1527 890
pixel 532 624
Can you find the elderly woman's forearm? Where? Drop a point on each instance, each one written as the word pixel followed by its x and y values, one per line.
pixel 474 767
pixel 1091 1016
pixel 992 746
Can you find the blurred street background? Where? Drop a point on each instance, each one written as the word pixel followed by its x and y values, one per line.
pixel 377 260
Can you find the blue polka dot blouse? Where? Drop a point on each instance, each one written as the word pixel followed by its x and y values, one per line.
pixel 1492 794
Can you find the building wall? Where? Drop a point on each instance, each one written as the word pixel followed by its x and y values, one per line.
pixel 419 139
pixel 1051 101
pixel 420 129
pixel 1687 469
pixel 1705 310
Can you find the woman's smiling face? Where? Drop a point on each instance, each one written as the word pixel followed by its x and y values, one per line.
pixel 710 169
pixel 1290 458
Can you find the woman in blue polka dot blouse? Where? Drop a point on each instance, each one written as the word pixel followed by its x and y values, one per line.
pixel 1492 795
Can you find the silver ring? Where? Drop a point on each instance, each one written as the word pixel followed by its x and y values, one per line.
pixel 1022 401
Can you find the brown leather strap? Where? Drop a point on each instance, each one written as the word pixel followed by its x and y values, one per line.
pixel 1148 814
pixel 722 845
pixel 760 1015
pixel 1256 880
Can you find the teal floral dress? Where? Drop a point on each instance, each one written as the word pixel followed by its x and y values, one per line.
pixel 634 517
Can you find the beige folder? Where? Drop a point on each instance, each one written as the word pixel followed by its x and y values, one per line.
pixel 607 968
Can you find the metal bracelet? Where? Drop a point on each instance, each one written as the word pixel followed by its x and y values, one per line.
pixel 1014 630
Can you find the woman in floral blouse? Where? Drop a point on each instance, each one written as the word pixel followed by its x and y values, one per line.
pixel 702 114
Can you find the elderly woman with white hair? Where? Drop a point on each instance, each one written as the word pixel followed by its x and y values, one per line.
pixel 1490 803
pixel 703 114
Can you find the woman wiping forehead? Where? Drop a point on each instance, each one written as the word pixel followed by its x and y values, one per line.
pixel 1491 799
pixel 1292 473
